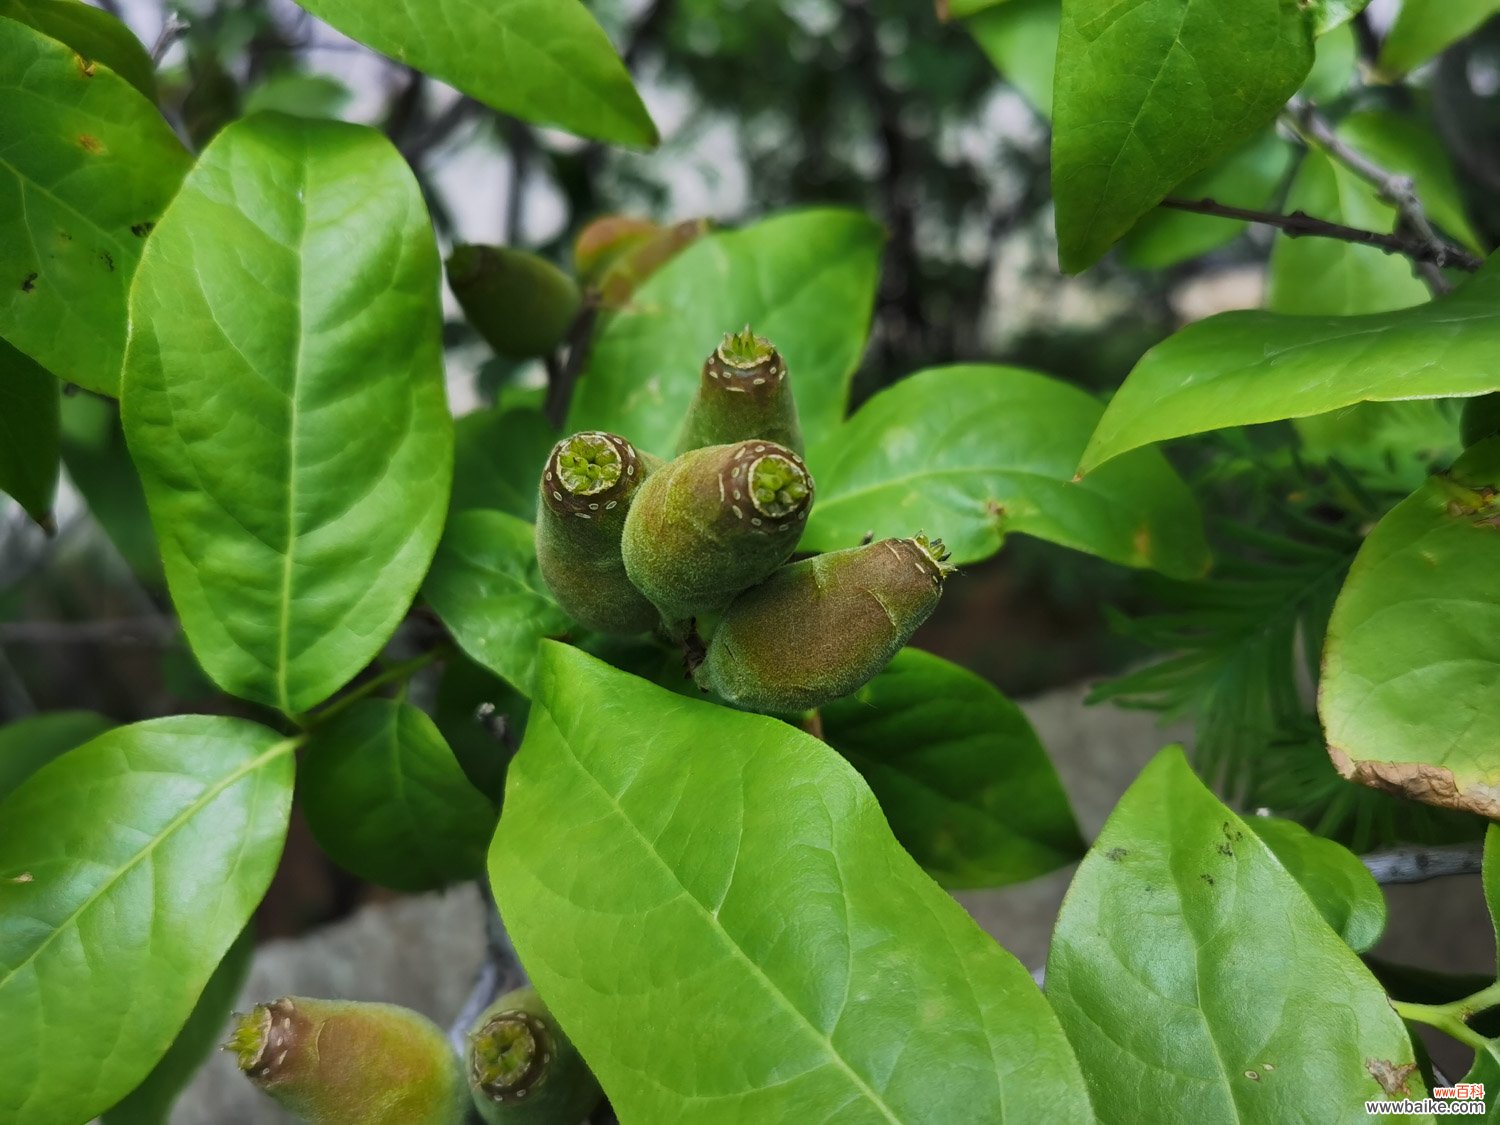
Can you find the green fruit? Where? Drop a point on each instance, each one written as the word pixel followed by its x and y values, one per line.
pixel 1480 419
pixel 521 304
pixel 819 629
pixel 523 1069
pixel 713 522
pixel 587 487
pixel 341 1062
pixel 743 393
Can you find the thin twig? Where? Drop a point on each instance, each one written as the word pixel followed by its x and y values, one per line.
pixel 172 30
pixel 1298 224
pixel 1397 190
pixel 125 631
pixel 1416 865
pixel 560 389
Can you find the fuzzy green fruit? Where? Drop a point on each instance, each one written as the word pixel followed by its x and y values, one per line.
pixel 713 522
pixel 341 1062
pixel 587 487
pixel 743 393
pixel 521 304
pixel 1479 420
pixel 523 1070
pixel 819 629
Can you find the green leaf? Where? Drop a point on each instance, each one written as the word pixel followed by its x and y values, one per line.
pixel 306 95
pixel 791 961
pixel 486 587
pixel 1491 878
pixel 971 453
pixel 498 458
pixel 1486 1070
pixel 1184 965
pixel 958 771
pixel 27 745
pixel 1335 13
pixel 1335 67
pixel 86 167
pixel 806 280
pixel 541 60
pixel 143 854
pixel 1247 177
pixel 99 465
pixel 1340 886
pixel 284 403
pixel 484 756
pixel 1150 92
pixel 95 35
pixel 29 443
pixel 1243 367
pixel 387 800
pixel 1020 38
pixel 151 1102
pixel 1425 28
pixel 1408 698
pixel 960 9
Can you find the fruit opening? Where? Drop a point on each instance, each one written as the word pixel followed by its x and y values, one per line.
pixel 248 1039
pixel 745 349
pixel 778 486
pixel 587 463
pixel 935 553
pixel 509 1055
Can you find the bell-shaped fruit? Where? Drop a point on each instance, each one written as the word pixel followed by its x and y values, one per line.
pixel 1480 419
pixel 341 1062
pixel 523 1069
pixel 587 487
pixel 521 304
pixel 743 393
pixel 819 629
pixel 713 522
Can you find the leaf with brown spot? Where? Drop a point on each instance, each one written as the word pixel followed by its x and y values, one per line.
pixel 1394 1078
pixel 1411 666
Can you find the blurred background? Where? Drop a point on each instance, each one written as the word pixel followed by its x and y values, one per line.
pixel 766 104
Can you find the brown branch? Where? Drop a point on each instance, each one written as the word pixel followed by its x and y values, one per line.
pixel 1416 865
pixel 562 377
pixel 1399 191
pixel 1299 224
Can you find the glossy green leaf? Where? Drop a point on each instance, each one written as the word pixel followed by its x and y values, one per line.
pixel 1238 368
pixel 127 869
pixel 150 1103
pixel 959 773
pixel 1020 39
pixel 1247 177
pixel 486 587
pixel 1425 28
pixel 1335 13
pixel 293 91
pixel 28 744
pixel 478 743
pixel 1486 1070
pixel 94 34
pixel 86 167
pixel 497 460
pixel 1340 886
pixel 1314 276
pixel 541 60
pixel 387 800
pixel 971 453
pixel 1412 659
pixel 1148 93
pixel 1335 67
pixel 99 465
pixel 806 280
pixel 284 403
pixel 1187 965
pixel 791 961
pixel 29 442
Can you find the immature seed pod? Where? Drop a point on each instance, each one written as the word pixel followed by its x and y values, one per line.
pixel 340 1062
pixel 523 1069
pixel 1480 419
pixel 713 522
pixel 819 629
pixel 521 304
pixel 743 393
pixel 587 486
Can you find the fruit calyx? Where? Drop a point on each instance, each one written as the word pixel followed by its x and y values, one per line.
pixel 510 1055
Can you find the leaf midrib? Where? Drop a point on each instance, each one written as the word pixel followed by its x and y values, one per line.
pixel 714 926
pixel 199 803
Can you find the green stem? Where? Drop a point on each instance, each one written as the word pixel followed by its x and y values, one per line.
pixel 1440 1017
pixel 402 671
